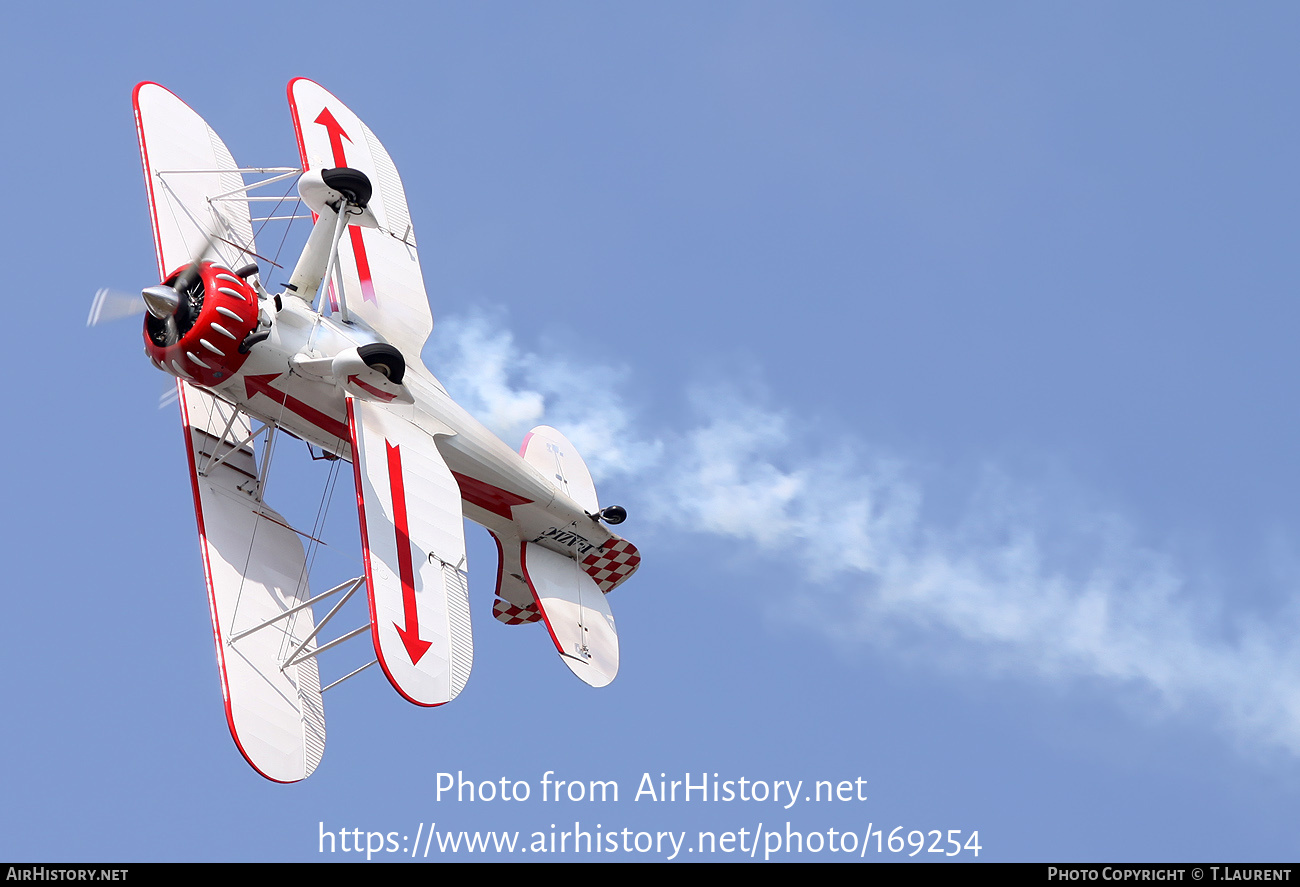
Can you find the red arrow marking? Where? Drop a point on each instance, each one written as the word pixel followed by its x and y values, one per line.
pixel 337 135
pixel 371 389
pixel 262 385
pixel 363 265
pixel 415 646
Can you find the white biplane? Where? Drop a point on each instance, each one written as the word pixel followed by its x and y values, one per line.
pixel 346 377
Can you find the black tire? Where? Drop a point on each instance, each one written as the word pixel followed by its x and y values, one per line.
pixel 384 358
pixel 613 514
pixel 351 183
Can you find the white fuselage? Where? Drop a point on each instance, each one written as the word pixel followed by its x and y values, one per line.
pixel 499 490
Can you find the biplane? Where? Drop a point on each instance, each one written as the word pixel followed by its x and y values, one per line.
pixel 334 359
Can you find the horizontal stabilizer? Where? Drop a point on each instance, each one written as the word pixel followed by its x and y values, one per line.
pixel 613 564
pixel 510 614
pixel 576 613
pixel 514 601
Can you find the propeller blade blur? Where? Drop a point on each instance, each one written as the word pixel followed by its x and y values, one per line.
pixel 112 305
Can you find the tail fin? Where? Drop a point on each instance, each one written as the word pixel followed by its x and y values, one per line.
pixel 558 460
pixel 551 453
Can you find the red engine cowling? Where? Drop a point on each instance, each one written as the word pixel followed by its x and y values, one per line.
pixel 200 342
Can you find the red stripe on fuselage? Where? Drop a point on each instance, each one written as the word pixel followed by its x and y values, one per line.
pixel 262 385
pixel 488 497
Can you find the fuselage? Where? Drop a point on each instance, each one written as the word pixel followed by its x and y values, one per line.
pixel 280 385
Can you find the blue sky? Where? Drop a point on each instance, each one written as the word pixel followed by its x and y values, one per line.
pixel 942 355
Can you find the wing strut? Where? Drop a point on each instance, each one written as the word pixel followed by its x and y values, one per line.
pixel 294 657
pixel 332 265
pixel 355 583
pixel 357 671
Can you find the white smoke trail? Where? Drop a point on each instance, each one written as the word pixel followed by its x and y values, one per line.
pixel 1121 613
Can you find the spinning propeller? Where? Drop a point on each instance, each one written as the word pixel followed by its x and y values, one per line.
pixel 201 303
pixel 161 301
pixel 111 304
pixel 174 305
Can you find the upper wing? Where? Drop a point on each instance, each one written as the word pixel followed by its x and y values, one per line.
pixel 413 536
pixel 185 165
pixel 381 267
